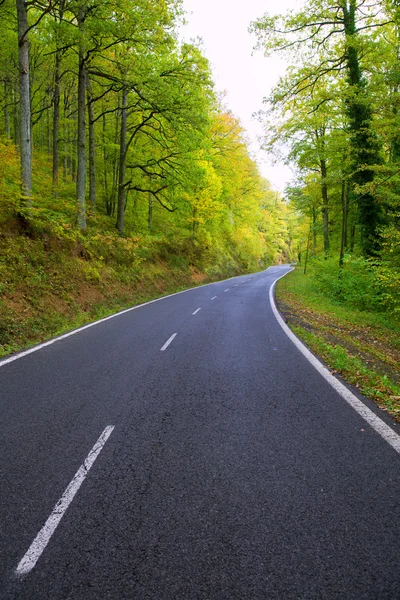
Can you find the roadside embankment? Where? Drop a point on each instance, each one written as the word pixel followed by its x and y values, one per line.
pixel 363 347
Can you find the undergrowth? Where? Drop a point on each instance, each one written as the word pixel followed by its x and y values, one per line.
pixel 363 346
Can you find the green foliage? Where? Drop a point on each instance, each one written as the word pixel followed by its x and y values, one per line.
pixel 362 283
pixel 334 117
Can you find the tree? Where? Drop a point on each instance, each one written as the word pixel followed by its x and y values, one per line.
pixel 25 102
pixel 332 36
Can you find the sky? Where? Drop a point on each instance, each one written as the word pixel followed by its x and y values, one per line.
pixel 246 79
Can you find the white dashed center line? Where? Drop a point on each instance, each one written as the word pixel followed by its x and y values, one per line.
pixel 40 542
pixel 196 311
pixel 227 290
pixel 213 298
pixel 167 343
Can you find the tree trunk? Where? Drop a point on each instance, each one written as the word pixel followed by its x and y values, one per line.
pixel 314 230
pixel 7 129
pixel 345 211
pixel 25 105
pixel 365 149
pixel 105 159
pixel 307 251
pixel 115 165
pixel 92 150
pixel 122 165
pixel 150 213
pixel 325 206
pixel 81 147
pixel 56 118
pixel 15 118
pixel 43 126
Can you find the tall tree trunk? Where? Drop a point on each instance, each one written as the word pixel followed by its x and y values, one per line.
pixel 81 148
pixel 307 250
pixel 56 118
pixel 325 206
pixel 345 212
pixel 115 166
pixel 105 171
pixel 150 213
pixel 314 229
pixel 49 132
pixel 364 143
pixel 25 104
pixel 122 165
pixel 15 118
pixel 43 126
pixel 92 149
pixel 7 129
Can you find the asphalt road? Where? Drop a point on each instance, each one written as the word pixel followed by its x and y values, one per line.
pixel 234 470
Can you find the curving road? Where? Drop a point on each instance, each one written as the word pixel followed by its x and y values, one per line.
pixel 215 463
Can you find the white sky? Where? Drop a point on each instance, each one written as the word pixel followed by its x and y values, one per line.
pixel 246 79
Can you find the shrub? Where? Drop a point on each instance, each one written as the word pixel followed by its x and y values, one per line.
pixel 362 283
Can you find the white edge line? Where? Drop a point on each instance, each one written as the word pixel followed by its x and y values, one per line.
pixel 390 436
pixel 40 542
pixel 196 311
pixel 18 355
pixel 167 343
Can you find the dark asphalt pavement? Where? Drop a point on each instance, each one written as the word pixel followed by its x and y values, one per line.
pixel 234 470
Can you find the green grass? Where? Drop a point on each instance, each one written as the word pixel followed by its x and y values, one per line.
pixel 361 346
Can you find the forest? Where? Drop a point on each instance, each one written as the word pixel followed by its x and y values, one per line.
pixel 122 173
pixel 335 117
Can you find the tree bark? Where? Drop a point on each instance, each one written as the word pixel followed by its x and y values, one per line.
pixel 314 229
pixel 81 147
pixel 7 129
pixel 150 213
pixel 56 118
pixel 25 104
pixel 92 149
pixel 364 142
pixel 105 171
pixel 15 118
pixel 325 206
pixel 307 251
pixel 345 211
pixel 122 165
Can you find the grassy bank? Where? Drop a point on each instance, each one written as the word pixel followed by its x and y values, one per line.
pixel 363 347
pixel 50 283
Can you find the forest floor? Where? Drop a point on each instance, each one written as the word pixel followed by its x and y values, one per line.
pixel 362 347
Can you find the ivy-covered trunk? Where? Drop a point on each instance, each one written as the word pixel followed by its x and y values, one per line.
pixel 364 143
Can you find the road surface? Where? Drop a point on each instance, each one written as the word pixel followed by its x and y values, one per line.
pixel 187 450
